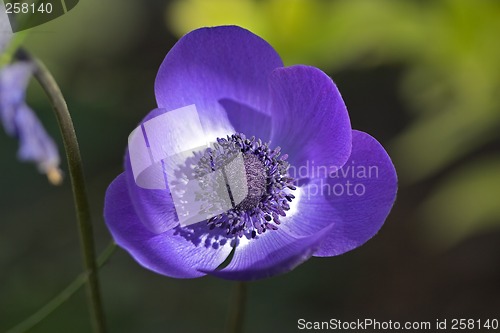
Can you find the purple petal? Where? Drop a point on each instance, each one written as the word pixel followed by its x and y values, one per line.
pixel 176 253
pixel 13 82
pixel 356 202
pixel 19 121
pixel 310 211
pixel 310 120
pixel 209 65
pixel 361 215
pixel 247 120
pixel 272 253
pixel 154 208
pixel 35 145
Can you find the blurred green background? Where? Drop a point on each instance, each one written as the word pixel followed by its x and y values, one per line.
pixel 422 76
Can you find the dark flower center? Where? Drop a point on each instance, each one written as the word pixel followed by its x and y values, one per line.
pixel 256 179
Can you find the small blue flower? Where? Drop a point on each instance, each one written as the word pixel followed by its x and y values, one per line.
pixel 314 186
pixel 19 121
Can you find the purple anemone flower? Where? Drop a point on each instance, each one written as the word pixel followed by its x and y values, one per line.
pixel 311 185
pixel 19 121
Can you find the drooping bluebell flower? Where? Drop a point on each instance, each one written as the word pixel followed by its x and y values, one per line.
pixel 312 186
pixel 19 121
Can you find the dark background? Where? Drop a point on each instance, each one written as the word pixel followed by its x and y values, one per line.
pixel 422 77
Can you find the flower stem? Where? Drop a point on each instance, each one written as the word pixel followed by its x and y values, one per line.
pixel 237 309
pixel 75 166
pixel 62 297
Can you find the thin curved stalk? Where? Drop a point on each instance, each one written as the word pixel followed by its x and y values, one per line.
pixel 75 167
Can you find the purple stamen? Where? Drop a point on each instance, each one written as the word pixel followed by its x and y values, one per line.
pixel 267 185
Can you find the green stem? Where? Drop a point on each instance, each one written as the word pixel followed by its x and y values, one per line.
pixel 62 297
pixel 237 310
pixel 75 166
